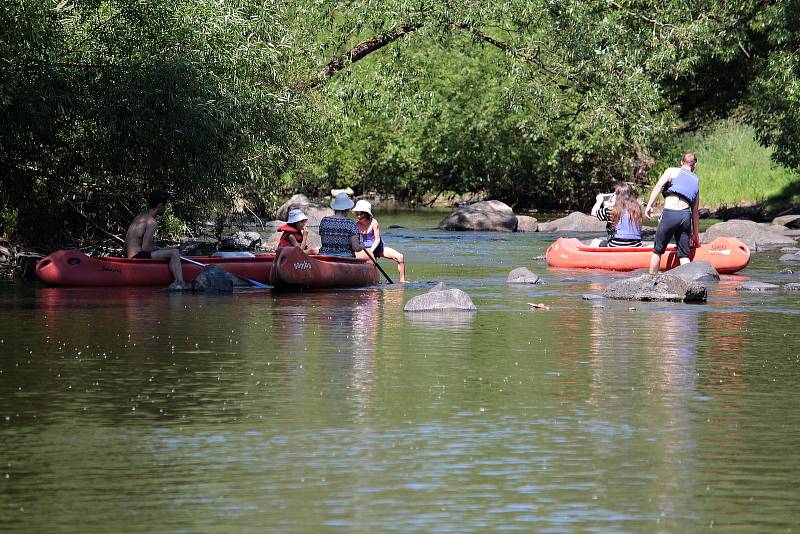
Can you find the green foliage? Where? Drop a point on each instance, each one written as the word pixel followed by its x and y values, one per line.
pixel 734 169
pixel 106 100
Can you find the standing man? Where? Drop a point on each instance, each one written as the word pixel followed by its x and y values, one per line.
pixel 139 239
pixel 681 189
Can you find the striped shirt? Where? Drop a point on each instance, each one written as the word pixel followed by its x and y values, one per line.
pixel 604 214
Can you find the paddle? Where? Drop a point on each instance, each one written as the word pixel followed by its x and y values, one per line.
pixel 370 256
pixel 253 282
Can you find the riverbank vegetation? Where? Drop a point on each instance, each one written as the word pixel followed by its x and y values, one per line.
pixel 539 104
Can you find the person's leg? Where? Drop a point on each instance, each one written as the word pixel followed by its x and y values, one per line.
pixel 664 233
pixel 682 232
pixel 174 265
pixel 392 254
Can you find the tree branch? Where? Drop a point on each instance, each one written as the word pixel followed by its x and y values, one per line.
pixel 361 50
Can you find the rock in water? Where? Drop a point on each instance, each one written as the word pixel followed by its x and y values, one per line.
pixel 790 221
pixel 240 241
pixel 487 215
pixel 754 235
pixel 661 287
pixel 791 287
pixel 441 286
pixel 527 224
pixel 791 258
pixel 753 285
pixel 523 275
pixel 696 271
pixel 314 212
pixel 574 222
pixel 442 300
pixel 213 279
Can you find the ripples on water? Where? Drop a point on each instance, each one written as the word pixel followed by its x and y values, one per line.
pixel 139 411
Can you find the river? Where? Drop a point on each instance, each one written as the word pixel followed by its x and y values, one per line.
pixel 135 410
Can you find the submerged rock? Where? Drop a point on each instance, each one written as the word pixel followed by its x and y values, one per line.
pixel 793 257
pixel 441 300
pixel 696 271
pixel 754 235
pixel 486 215
pixel 592 297
pixel 660 287
pixel 753 285
pixel 213 279
pixel 523 275
pixel 527 224
pixel 574 222
pixel 791 287
pixel 441 286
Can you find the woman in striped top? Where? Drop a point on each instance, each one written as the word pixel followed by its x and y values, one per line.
pixel 623 215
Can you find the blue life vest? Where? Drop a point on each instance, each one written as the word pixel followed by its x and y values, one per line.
pixel 627 229
pixel 685 184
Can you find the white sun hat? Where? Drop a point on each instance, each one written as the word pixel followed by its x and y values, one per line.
pixel 363 206
pixel 296 215
pixel 342 202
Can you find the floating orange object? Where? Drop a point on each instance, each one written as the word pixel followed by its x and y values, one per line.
pixel 727 254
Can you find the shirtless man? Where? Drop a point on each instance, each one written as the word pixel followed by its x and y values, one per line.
pixel 139 239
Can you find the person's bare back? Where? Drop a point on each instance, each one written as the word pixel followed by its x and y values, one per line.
pixel 139 238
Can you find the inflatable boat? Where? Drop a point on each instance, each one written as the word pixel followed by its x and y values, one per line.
pixel 727 254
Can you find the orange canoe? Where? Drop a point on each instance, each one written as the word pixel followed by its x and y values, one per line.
pixel 294 269
pixel 74 268
pixel 727 255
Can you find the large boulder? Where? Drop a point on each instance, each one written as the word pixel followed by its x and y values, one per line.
pixel 789 221
pixel 487 215
pixel 754 235
pixel 661 287
pixel 574 222
pixel 213 279
pixel 347 190
pixel 240 241
pixel 314 212
pixel 441 300
pixel 696 271
pixel 523 275
pixel 526 223
pixel 198 248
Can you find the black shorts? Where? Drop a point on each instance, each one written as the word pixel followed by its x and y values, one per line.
pixel 677 224
pixel 379 251
pixel 142 255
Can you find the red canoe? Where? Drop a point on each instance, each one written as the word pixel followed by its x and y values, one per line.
pixel 727 255
pixel 74 268
pixel 294 269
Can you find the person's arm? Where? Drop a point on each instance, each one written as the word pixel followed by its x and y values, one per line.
pixel 377 229
pixel 147 238
pixel 355 242
pixel 696 220
pixel 303 244
pixel 666 177
pixel 597 205
pixel 291 239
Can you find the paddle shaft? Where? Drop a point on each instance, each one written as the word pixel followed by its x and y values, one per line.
pixel 253 282
pixel 370 256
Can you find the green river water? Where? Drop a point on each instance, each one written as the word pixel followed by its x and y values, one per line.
pixel 134 410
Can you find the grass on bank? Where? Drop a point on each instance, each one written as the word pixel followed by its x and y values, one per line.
pixel 735 170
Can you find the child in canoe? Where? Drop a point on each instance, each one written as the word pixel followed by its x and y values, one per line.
pixel 623 215
pixel 370 232
pixel 295 232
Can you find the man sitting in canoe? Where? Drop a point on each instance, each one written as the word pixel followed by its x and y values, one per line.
pixel 139 239
pixel 623 215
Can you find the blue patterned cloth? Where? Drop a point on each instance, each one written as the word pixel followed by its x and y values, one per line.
pixel 335 234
